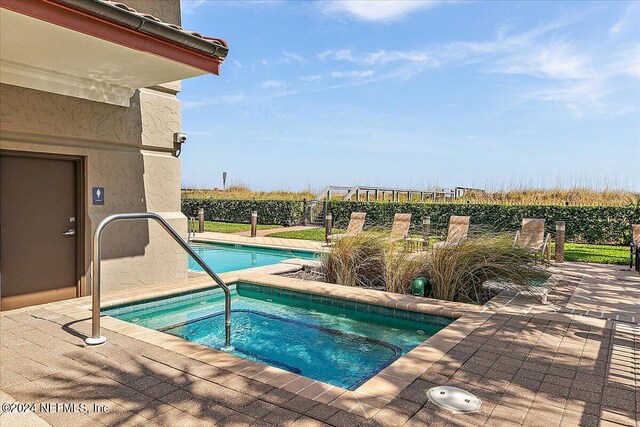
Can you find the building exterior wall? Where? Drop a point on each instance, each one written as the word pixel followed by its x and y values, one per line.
pixel 165 10
pixel 126 150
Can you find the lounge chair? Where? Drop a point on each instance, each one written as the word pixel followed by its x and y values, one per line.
pixel 458 229
pixel 356 224
pixel 635 247
pixel 532 236
pixel 400 227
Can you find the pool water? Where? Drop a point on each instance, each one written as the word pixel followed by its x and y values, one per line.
pixel 326 339
pixel 223 257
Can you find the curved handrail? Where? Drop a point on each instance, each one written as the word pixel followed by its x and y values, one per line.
pixel 95 338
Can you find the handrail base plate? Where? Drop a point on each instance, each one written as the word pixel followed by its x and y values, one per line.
pixel 92 342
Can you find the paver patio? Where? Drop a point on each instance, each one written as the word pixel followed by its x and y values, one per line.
pixel 553 365
pixel 210 236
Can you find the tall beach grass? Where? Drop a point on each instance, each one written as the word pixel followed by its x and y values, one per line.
pixel 456 273
pixel 522 196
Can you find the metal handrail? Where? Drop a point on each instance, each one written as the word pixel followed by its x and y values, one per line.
pixel 96 338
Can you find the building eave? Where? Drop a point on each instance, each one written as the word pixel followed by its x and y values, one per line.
pixel 132 31
pixel 50 46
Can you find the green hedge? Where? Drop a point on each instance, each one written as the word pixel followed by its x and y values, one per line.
pixel 584 224
pixel 282 212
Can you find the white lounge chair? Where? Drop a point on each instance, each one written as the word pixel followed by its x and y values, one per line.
pixel 356 224
pixel 400 227
pixel 532 236
pixel 458 230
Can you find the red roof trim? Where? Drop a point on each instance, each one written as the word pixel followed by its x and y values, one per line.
pixel 98 27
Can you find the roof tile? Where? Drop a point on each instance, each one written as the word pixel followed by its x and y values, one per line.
pixel 123 6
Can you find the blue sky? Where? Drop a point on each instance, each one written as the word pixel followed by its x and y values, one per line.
pixel 416 94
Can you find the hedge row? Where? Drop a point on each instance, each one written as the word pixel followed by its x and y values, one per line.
pixel 584 224
pixel 282 212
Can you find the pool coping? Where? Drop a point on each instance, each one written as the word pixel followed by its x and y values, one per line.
pixel 233 239
pixel 364 401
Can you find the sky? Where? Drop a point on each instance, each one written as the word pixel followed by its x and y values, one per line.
pixel 484 94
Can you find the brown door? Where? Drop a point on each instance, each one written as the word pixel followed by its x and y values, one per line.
pixel 38 261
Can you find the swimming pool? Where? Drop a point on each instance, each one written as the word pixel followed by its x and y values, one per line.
pixel 227 257
pixel 343 343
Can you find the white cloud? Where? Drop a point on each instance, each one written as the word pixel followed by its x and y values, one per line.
pixel 219 100
pixel 189 7
pixel 633 68
pixel 375 10
pixel 590 92
pixel 338 55
pixel 294 56
pixel 629 19
pixel 627 62
pixel 575 96
pixel 285 59
pixel 272 84
pixel 381 56
pixel 553 60
pixel 580 76
pixel 351 74
pixel 312 77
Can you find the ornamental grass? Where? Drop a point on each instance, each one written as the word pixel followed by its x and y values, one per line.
pixel 458 273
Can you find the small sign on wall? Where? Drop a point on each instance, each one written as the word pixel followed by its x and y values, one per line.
pixel 98 195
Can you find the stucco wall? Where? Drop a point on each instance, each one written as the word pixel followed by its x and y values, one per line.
pixel 165 10
pixel 127 150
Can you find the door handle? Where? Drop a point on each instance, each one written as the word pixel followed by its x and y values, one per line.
pixel 71 232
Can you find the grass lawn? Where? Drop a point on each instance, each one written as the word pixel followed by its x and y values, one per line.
pixel 318 234
pixel 309 234
pixel 603 254
pixel 230 227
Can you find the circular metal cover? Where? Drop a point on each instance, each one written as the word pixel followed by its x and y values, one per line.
pixel 454 399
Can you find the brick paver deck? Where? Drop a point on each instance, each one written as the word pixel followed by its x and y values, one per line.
pixel 277 242
pixel 530 364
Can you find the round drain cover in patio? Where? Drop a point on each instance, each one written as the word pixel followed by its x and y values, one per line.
pixel 454 399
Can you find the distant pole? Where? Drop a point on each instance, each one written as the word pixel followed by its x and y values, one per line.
pixel 560 232
pixel 328 219
pixel 254 223
pixel 426 230
pixel 224 181
pixel 201 220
